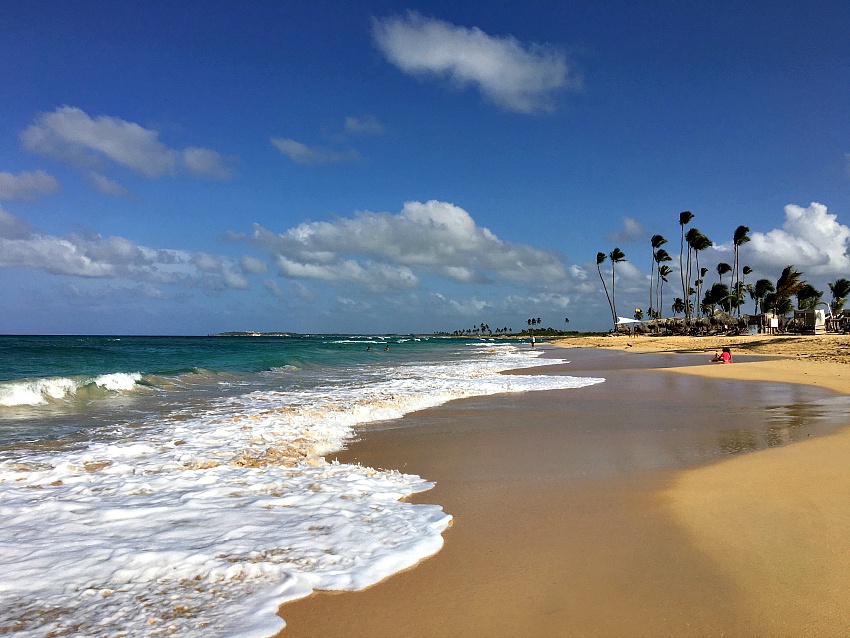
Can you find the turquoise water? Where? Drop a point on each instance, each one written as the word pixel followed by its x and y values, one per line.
pixel 66 387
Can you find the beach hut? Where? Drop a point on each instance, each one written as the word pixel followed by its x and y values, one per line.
pixel 812 322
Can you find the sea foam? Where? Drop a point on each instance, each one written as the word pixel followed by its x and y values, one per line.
pixel 203 522
pixel 41 391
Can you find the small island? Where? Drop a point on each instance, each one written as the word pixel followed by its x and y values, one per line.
pixel 250 333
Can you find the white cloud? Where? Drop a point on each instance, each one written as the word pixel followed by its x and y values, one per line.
pixel 105 186
pixel 382 249
pixel 466 308
pixel 632 231
pixel 522 78
pixel 252 265
pixel 810 238
pixel 69 134
pixel 372 276
pixel 203 162
pixel 94 256
pixel 27 185
pixel 312 156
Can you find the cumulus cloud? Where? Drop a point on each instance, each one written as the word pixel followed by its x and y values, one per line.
pixel 385 250
pixel 312 156
pixel 518 77
pixel 27 186
pixel 632 231
pixel 70 135
pixel 810 238
pixel 97 257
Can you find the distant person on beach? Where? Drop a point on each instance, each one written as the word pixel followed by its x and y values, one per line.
pixel 724 356
pixel 532 341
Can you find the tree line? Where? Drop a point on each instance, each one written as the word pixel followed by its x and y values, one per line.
pixel 698 299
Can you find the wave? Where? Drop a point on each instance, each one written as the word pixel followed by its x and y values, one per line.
pixel 25 392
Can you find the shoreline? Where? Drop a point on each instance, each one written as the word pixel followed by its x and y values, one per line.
pixel 576 527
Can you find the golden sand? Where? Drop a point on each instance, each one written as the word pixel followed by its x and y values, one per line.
pixel 777 522
pixel 755 545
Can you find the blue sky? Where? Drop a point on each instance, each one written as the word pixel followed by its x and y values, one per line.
pixel 196 167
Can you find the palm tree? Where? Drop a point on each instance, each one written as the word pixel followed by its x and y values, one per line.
pixel 762 288
pixel 678 306
pixel 808 297
pixel 657 242
pixel 840 290
pixel 698 242
pixel 789 283
pixel 690 238
pixel 718 294
pixel 663 271
pixel 616 257
pixel 722 269
pixel 739 238
pixel 685 218
pixel 600 258
pixel 661 256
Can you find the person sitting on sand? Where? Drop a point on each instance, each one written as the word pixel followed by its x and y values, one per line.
pixel 725 356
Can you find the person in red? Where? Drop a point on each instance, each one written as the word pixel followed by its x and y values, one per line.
pixel 724 356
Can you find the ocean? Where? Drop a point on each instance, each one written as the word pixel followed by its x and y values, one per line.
pixel 188 485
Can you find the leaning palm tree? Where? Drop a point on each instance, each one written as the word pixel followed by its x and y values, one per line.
pixel 657 242
pixel 616 257
pixel 789 283
pixel 600 258
pixel 685 218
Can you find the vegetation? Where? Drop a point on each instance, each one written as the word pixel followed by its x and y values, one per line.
pixel 706 304
pixel 840 290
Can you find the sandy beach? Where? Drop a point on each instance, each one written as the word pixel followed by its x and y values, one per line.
pixel 678 498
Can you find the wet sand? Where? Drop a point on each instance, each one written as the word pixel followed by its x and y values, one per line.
pixel 623 509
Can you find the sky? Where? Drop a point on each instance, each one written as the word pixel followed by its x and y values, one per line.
pixel 408 167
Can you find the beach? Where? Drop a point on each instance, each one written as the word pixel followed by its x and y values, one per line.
pixel 677 498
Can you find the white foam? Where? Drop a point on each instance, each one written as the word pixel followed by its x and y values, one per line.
pixel 35 391
pixel 40 391
pixel 118 381
pixel 203 523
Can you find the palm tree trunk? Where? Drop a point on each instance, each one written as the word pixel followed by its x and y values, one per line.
pixel 681 266
pixel 613 297
pixel 607 296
